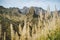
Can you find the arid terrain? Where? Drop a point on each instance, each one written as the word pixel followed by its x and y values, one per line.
pixel 32 23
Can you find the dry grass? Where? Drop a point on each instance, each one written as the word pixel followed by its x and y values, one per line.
pixel 47 29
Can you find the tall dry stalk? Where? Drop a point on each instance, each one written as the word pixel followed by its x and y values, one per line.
pixel 20 30
pixel 12 32
pixel 55 17
pixel 41 15
pixel 24 28
pixel 34 32
pixel 55 14
pixel 4 35
pixel 16 36
pixel 40 21
pixel 23 35
pixel 47 14
pixel 28 32
pixel 0 31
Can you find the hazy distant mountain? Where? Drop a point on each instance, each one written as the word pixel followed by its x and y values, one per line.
pixel 24 10
pixel 17 11
pixel 37 10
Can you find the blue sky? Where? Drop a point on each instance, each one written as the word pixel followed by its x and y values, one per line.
pixel 38 3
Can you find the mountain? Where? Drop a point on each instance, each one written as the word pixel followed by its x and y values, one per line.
pixel 24 10
pixel 37 10
pixel 18 12
pixel 10 11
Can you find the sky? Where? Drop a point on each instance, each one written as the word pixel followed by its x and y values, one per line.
pixel 28 3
